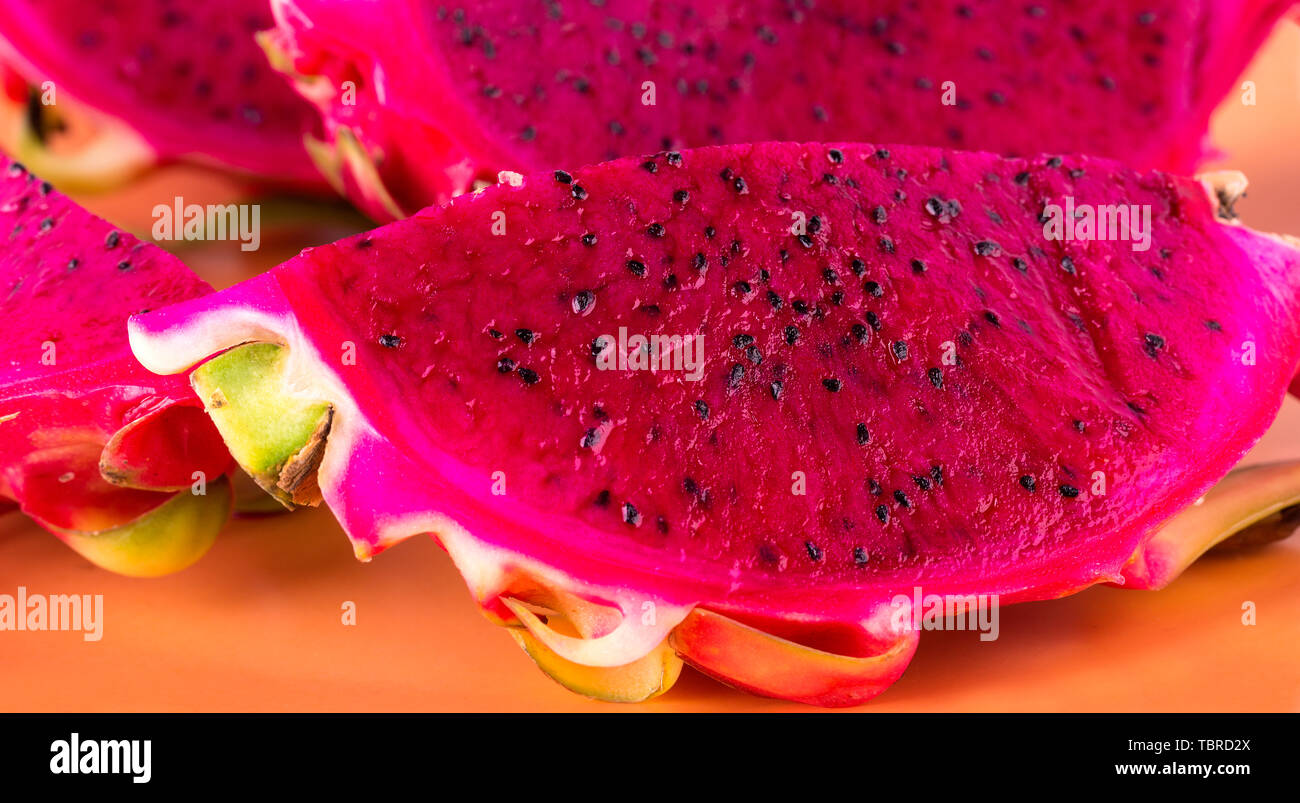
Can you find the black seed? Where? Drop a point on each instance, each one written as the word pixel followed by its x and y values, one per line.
pixel 774 300
pixel 814 552
pixel 1019 264
pixel 636 267
pixel 709 232
pixel 702 409
pixel 886 245
pixel 112 239
pixel 860 556
pixel 1067 264
pixel 739 185
pixel 879 214
pixel 582 300
pixel 689 486
pixel 988 248
pixel 902 499
pixel 829 276
pixel 47 224
pixel 1054 161
pixel 73 263
pixel 936 377
pixel 655 230
pixel 858 266
pixel 742 340
pixel 742 287
pixel 602 498
pixel 650 166
pixel 835 155
pixel 590 438
pixel 124 265
pixel 860 333
pixel 873 289
pixel 922 482
pixel 918 266
pixel 736 374
pixel 1022 178
pixel 674 158
pixel 791 335
pixel 528 134
pixel 934 207
pixel 631 515
pixel 755 356
pixel 1079 425
pixel 882 513
pixel 1027 482
pixel 390 341
pixel 526 335
pixel 1069 491
pixel 863 435
pixel 563 177
pixel 805 240
pixel 936 474
pixel 589 239
pixel 900 350
pixel 681 196
pixel 1214 326
pixel 579 192
pixel 992 317
pixel 505 365
pixel 873 320
pixel 777 387
pixel 495 334
pixel 1153 343
pixel 832 384
pixel 529 376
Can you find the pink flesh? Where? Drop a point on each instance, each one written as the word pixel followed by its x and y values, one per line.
pixel 446 94
pixel 189 77
pixel 68 377
pixel 1066 347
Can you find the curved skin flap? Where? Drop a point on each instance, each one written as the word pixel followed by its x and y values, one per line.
pixel 759 662
pixel 167 539
pixel 1245 501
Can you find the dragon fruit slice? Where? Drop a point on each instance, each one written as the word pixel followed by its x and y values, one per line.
pixel 902 383
pixel 95 448
pixel 421 99
pixel 156 81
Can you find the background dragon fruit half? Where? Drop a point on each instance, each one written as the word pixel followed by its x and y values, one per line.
pixel 421 100
pixel 902 383
pixel 119 463
pixel 151 81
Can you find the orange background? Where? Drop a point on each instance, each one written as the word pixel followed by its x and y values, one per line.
pixel 256 625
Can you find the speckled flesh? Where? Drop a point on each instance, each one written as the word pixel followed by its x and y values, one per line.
pixel 189 78
pixel 439 96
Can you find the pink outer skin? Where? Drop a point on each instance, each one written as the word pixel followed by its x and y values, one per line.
pixel 35 41
pixel 431 142
pixel 69 385
pixel 393 484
